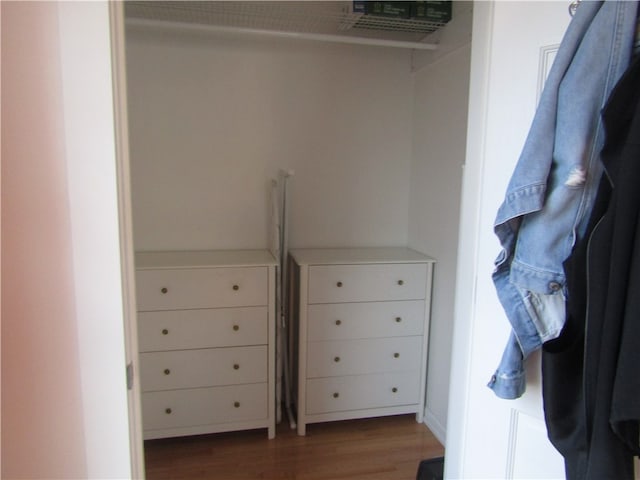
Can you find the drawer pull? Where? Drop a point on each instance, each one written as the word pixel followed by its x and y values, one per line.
pixel 336 359
pixel 167 371
pixel 236 366
pixel 164 290
pixel 336 395
pixel 398 319
pixel 394 390
pixel 236 287
pixel 396 355
pixel 236 404
pixel 236 328
pixel 339 284
pixel 167 411
pixel 338 322
pixel 400 282
pixel 165 331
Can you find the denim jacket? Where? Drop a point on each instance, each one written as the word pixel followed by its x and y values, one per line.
pixel 553 186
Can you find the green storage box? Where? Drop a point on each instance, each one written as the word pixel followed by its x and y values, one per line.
pixel 431 11
pixel 389 9
pixel 428 11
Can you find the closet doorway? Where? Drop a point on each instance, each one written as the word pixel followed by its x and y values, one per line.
pixel 373 133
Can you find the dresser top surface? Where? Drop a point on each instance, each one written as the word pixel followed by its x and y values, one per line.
pixel 204 259
pixel 340 256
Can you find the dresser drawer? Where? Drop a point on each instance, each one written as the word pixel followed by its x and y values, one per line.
pixel 353 357
pixel 219 327
pixel 336 321
pixel 202 368
pixel 366 283
pixel 338 394
pixel 204 406
pixel 173 289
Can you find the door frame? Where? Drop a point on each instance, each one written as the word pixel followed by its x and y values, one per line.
pixel 127 260
pixel 468 242
pixel 467 246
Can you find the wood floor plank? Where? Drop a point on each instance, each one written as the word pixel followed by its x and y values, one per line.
pixel 382 448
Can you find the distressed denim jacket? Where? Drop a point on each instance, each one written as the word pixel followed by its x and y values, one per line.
pixel 552 189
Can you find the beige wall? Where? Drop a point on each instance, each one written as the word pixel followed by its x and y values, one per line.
pixel 64 397
pixel 213 118
pixel 42 426
pixel 436 182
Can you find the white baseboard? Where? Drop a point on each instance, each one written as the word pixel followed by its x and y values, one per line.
pixel 436 427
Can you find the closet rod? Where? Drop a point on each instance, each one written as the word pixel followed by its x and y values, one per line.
pixel 380 42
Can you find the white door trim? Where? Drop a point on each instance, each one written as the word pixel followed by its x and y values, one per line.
pixel 117 25
pixel 465 299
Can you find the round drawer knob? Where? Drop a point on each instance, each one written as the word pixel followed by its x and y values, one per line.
pixel 236 366
pixel 165 331
pixel 400 282
pixel 167 411
pixel 336 359
pixel 236 287
pixel 396 355
pixel 336 395
pixel 398 319
pixel 394 390
pixel 339 284
pixel 236 328
pixel 236 404
pixel 164 289
pixel 338 322
pixel 167 371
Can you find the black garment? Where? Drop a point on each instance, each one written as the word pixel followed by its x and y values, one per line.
pixel 431 469
pixel 591 375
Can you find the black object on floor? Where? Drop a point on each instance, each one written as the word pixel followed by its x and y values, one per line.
pixel 431 469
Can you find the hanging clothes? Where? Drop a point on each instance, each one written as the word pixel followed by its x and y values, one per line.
pixel 552 189
pixel 591 383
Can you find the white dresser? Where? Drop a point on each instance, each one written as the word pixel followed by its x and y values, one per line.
pixel 361 319
pixel 206 335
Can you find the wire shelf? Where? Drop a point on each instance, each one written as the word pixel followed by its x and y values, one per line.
pixel 315 17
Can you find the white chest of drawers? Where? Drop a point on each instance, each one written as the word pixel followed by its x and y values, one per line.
pixel 361 318
pixel 206 336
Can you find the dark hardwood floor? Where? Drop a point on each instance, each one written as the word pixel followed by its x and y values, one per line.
pixel 373 449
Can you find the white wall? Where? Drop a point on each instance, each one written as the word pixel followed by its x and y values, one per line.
pixel 64 398
pixel 93 204
pixel 213 118
pixel 439 148
pixel 42 423
pixel 439 136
